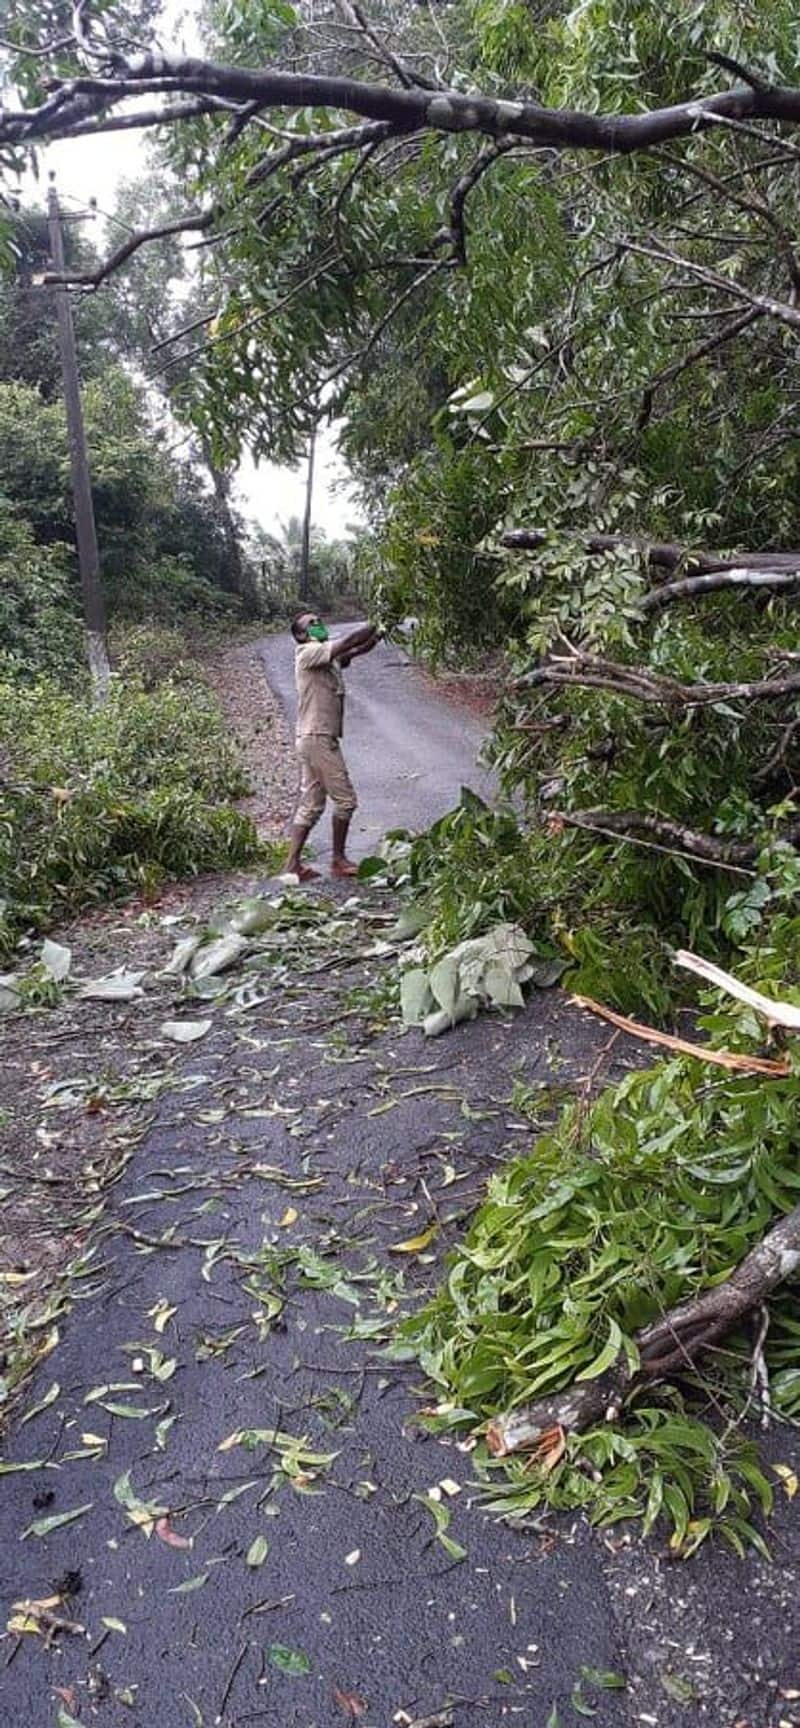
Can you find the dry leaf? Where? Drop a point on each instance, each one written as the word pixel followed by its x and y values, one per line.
pixel 788 1478
pixel 416 1244
pixel 349 1702
pixel 290 1216
pixel 166 1534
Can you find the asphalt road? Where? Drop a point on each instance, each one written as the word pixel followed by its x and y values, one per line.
pixel 409 750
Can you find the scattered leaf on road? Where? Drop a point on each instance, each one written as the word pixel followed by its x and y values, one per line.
pixel 166 1534
pixel 185 1031
pixel 416 1244
pixel 288 1661
pixel 44 1403
pixel 606 1678
pixel 189 1584
pixel 44 1526
pixel 258 1551
pixel 349 1702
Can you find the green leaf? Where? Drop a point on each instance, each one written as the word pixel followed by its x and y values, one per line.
pixel 56 959
pixel 44 1404
pixel 606 1678
pixel 608 1355
pixel 444 983
pixel 580 1704
pixel 189 1584
pixel 45 1526
pixel 287 1660
pixel 416 997
pixel 64 1720
pixel 258 1551
pixel 678 1687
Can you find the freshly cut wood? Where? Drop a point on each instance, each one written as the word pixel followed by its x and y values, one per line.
pixel 775 1013
pixel 735 1060
pixel 667 1347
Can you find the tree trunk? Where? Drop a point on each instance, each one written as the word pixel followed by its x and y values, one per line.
pixel 668 1347
pixel 240 579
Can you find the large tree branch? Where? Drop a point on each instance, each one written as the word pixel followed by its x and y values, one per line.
pixel 706 848
pixel 750 576
pixel 591 671
pixel 669 1346
pixel 713 569
pixel 445 111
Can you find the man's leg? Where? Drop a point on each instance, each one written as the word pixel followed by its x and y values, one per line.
pixel 341 865
pixel 340 789
pixel 294 866
pixel 309 810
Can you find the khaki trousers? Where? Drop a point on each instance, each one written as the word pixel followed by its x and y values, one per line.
pixel 323 775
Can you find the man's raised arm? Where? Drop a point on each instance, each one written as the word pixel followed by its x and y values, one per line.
pixel 358 641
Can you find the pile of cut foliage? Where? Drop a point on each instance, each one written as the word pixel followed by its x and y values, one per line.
pixel 623 1211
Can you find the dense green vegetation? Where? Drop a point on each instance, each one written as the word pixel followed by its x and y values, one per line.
pixel 99 802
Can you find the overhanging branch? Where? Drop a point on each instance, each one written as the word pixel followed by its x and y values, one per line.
pixel 407 108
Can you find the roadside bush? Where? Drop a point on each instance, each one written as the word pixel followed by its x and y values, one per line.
pixel 39 627
pixel 99 802
pixel 152 654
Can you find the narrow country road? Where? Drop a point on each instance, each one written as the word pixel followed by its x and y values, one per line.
pixel 215 1511
pixel 409 750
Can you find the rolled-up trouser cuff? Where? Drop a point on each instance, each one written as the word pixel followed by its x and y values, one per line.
pixel 323 775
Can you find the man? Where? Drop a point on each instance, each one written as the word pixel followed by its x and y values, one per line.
pixel 320 714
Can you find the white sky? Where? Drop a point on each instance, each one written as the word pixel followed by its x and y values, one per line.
pixel 89 167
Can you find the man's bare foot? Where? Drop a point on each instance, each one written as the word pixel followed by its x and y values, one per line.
pixel 303 872
pixel 343 867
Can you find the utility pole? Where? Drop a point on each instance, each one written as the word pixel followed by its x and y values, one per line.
pixel 305 550
pixel 94 612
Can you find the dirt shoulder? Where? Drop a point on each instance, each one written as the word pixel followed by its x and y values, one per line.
pixel 258 722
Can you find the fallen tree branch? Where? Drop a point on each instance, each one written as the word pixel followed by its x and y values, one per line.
pixel 736 1061
pixel 76 99
pixel 664 554
pixel 778 575
pixel 736 327
pixel 668 1346
pixel 589 671
pixel 704 846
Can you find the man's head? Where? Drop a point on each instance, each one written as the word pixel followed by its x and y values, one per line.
pixel 307 627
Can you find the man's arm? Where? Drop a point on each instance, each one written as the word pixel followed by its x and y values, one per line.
pixel 358 641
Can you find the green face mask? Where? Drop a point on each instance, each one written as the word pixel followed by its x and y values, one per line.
pixel 318 632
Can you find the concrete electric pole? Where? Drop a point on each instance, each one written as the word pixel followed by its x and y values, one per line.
pixel 94 612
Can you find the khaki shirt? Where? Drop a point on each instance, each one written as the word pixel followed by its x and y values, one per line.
pixel 320 690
